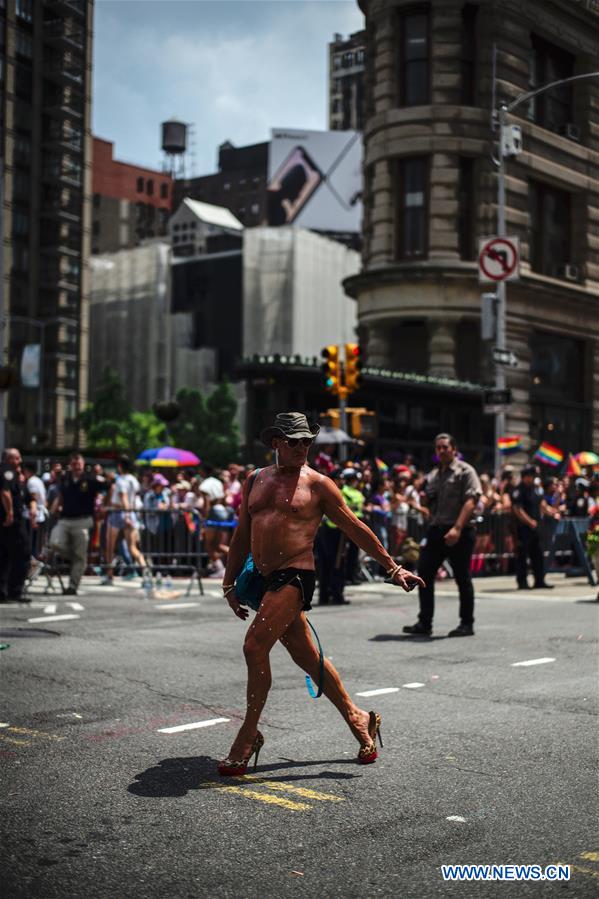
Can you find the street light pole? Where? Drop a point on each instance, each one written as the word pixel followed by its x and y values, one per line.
pixel 503 111
pixel 501 292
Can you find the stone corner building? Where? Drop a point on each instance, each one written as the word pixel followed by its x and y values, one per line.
pixel 430 193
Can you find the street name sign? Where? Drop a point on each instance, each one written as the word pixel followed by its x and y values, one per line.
pixel 498 259
pixel 504 357
pixel 498 397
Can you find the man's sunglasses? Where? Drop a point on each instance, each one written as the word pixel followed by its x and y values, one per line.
pixel 293 441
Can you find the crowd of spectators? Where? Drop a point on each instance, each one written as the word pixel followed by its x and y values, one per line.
pixel 143 518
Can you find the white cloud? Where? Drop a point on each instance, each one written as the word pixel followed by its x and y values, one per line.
pixel 231 83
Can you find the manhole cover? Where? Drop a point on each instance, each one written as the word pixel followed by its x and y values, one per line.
pixel 27 632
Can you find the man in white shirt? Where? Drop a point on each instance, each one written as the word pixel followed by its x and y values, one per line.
pixel 37 491
pixel 122 503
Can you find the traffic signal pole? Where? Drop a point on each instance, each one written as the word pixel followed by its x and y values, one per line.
pixel 343 426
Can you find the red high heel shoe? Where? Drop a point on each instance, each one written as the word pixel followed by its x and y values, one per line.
pixel 368 754
pixel 232 768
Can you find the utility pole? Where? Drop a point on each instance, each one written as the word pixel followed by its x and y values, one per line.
pixel 501 117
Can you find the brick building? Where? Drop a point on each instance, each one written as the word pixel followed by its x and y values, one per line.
pixel 431 193
pixel 130 203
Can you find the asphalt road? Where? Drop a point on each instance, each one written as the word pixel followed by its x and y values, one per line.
pixel 484 762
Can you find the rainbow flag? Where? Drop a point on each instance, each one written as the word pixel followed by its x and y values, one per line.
pixel 549 455
pixel 381 466
pixel 572 466
pixel 507 445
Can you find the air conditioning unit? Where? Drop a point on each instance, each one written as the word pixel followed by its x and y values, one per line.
pixel 569 272
pixel 569 130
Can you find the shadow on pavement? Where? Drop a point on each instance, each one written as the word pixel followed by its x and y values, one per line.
pixel 177 776
pixel 408 638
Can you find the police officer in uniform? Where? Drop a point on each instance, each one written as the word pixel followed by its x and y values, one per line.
pixel 529 506
pixel 451 493
pixel 14 543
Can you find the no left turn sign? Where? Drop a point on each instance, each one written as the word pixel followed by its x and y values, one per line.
pixel 498 259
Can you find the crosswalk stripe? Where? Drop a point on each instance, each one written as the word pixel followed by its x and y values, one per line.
pixel 528 662
pixel 47 618
pixel 254 794
pixel 379 692
pixel 304 792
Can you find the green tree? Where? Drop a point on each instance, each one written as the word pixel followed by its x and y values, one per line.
pixel 207 426
pixel 110 423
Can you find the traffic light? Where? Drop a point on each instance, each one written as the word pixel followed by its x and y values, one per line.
pixel 332 374
pixel 353 366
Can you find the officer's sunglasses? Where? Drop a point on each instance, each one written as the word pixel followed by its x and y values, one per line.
pixel 293 441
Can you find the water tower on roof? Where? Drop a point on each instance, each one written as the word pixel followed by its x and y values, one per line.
pixel 174 147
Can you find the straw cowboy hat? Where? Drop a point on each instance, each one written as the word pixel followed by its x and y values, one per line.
pixel 289 424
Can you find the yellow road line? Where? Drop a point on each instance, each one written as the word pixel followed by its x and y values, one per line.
pixel 289 788
pixel 16 742
pixel 254 794
pixel 580 870
pixel 590 856
pixel 33 733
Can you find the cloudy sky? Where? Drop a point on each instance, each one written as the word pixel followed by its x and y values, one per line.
pixel 234 68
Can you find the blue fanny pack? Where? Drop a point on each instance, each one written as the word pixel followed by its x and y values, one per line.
pixel 249 586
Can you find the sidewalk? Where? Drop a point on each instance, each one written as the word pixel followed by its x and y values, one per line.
pixel 574 588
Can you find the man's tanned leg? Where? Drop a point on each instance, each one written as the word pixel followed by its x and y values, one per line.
pixel 276 612
pixel 298 643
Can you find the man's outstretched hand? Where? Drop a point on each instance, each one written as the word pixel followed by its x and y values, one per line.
pixel 238 609
pixel 407 581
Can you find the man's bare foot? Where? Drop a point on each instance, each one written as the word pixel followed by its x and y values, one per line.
pixel 358 721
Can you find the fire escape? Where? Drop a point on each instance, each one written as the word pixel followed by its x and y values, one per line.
pixel 61 233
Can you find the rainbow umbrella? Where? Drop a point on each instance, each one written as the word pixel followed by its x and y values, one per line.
pixel 168 457
pixel 586 458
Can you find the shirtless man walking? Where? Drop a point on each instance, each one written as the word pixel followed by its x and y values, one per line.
pixel 281 511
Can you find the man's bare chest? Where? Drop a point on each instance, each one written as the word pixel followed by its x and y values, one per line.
pixel 287 497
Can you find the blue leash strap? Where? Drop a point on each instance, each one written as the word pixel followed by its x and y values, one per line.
pixel 309 683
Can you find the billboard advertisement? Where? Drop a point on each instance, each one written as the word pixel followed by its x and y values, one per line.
pixel 315 180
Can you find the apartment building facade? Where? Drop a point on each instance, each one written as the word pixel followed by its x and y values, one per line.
pixel 45 149
pixel 130 203
pixel 346 82
pixel 434 73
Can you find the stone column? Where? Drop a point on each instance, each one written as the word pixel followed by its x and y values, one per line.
pixel 442 348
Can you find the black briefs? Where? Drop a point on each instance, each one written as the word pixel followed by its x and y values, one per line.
pixel 302 578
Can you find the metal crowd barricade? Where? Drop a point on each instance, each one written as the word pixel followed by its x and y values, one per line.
pixel 495 546
pixel 172 542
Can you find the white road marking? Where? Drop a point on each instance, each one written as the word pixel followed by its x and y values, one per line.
pixel 456 818
pixel 4 724
pixel 75 606
pixel 52 618
pixel 177 605
pixel 531 662
pixel 50 609
pixel 413 686
pixel 379 692
pixel 193 726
